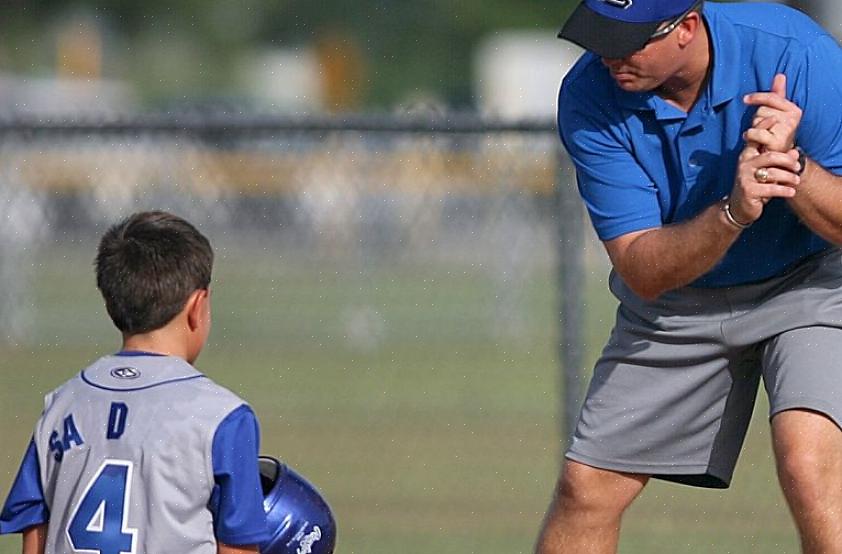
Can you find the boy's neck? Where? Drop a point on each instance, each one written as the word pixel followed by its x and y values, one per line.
pixel 155 343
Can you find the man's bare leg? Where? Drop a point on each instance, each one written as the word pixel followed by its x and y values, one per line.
pixel 584 517
pixel 808 451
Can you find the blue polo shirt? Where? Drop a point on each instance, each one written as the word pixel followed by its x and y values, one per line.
pixel 642 163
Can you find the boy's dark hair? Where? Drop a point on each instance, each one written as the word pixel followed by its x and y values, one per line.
pixel 147 266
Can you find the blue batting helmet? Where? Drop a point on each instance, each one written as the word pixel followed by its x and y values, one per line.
pixel 298 518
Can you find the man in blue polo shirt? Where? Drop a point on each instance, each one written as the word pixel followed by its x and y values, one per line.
pixel 707 141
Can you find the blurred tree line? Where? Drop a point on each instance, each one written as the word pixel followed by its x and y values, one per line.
pixel 391 50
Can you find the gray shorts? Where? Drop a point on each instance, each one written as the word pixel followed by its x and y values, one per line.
pixel 674 389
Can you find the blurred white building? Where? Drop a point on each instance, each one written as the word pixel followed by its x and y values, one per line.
pixel 64 97
pixel 285 79
pixel 517 73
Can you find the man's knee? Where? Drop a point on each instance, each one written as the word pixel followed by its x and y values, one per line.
pixel 809 477
pixel 800 473
pixel 808 452
pixel 588 490
pixel 586 510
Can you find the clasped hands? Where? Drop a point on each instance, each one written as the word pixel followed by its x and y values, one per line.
pixel 768 166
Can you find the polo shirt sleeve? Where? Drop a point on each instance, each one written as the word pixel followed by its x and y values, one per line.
pixel 25 505
pixel 619 195
pixel 817 82
pixel 237 498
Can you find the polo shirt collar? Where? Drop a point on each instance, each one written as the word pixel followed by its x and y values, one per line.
pixel 649 101
pixel 635 100
pixel 722 86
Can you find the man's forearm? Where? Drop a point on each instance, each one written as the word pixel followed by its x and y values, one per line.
pixel 818 202
pixel 663 259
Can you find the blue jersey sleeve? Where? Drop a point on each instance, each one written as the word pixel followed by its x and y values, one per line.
pixel 620 196
pixel 25 505
pixel 237 499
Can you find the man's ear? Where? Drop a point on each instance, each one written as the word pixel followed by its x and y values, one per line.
pixel 689 28
pixel 195 308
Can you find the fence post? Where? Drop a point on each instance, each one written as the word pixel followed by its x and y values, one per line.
pixel 571 277
pixel 23 218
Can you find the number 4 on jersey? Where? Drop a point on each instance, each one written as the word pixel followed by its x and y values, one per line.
pixel 100 523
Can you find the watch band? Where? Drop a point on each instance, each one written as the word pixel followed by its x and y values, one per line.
pixel 802 160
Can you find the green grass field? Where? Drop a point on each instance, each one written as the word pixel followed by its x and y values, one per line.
pixel 428 431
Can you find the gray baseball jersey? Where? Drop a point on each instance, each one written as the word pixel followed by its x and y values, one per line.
pixel 141 453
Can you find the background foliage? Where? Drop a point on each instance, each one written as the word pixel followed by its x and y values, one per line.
pixel 405 49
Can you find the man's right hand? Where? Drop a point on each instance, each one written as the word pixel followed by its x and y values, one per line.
pixel 761 176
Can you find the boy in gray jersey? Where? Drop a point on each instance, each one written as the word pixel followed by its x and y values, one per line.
pixel 141 453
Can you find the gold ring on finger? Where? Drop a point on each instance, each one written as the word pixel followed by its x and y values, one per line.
pixel 761 174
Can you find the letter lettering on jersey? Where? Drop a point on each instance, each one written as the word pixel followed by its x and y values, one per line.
pixel 71 434
pixel 70 437
pixel 56 447
pixel 117 420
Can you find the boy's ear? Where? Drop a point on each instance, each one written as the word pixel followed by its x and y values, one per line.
pixel 196 308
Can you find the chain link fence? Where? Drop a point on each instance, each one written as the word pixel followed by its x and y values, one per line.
pixel 363 197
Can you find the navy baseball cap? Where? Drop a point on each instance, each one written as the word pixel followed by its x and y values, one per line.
pixel 617 28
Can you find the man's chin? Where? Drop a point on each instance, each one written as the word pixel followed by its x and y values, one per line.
pixel 632 85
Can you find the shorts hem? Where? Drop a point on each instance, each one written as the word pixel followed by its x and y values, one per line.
pixel 813 404
pixel 653 469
